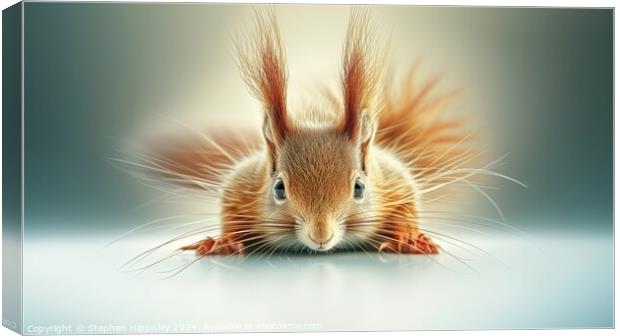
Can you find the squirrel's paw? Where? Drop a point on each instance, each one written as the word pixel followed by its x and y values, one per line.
pixel 210 246
pixel 421 244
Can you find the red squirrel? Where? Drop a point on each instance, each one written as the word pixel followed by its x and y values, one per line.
pixel 349 176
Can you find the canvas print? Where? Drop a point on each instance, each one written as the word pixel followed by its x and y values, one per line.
pixel 195 168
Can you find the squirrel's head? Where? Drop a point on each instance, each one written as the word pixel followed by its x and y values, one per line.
pixel 319 178
pixel 318 175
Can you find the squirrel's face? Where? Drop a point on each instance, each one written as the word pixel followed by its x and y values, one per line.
pixel 320 182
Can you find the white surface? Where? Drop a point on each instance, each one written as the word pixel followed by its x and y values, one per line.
pixel 550 282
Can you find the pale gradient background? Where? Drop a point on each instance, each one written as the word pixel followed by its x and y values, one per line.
pixel 99 76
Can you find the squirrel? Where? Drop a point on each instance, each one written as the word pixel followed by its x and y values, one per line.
pixel 351 176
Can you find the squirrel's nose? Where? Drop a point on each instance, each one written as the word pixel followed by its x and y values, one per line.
pixel 320 239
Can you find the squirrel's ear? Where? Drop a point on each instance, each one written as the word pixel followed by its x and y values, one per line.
pixel 361 73
pixel 368 127
pixel 361 76
pixel 262 62
pixel 272 139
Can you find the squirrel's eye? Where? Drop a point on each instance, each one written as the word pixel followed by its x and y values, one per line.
pixel 278 190
pixel 358 190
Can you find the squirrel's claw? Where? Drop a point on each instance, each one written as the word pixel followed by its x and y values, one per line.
pixel 210 246
pixel 418 245
pixel 424 245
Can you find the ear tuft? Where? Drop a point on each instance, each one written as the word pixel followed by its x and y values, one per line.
pixel 362 70
pixel 261 60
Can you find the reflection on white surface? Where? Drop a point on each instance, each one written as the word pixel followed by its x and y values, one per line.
pixel 552 282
